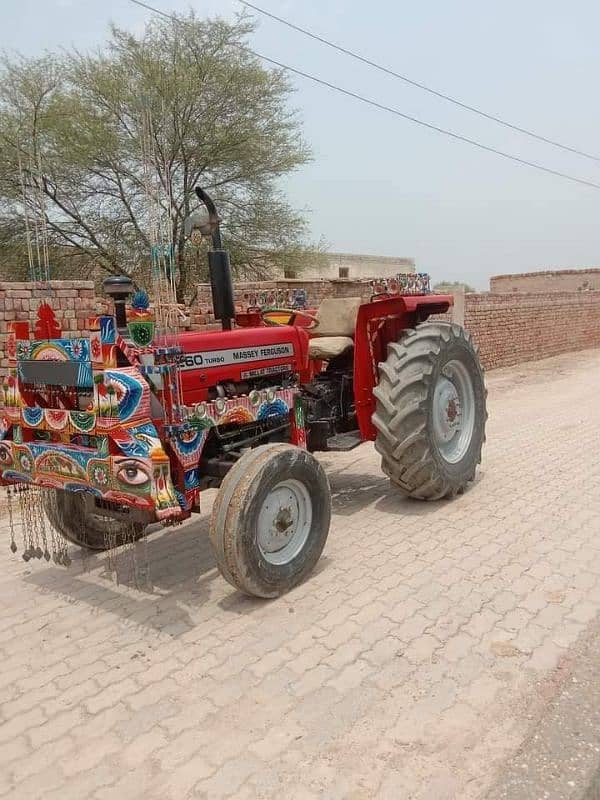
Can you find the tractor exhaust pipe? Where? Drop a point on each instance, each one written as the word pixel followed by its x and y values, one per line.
pixel 219 267
pixel 119 287
pixel 221 286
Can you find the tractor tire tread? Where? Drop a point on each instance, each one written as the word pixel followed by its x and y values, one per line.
pixel 231 522
pixel 403 438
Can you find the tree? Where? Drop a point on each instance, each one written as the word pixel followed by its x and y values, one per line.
pixel 182 104
pixel 447 287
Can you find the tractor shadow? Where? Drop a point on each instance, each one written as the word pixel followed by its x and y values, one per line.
pixel 352 493
pixel 169 581
pixel 156 584
pixel 183 587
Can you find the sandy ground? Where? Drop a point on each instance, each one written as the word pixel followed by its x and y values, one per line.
pixel 418 661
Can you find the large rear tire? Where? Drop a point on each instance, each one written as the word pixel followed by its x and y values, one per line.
pixel 271 519
pixel 431 411
pixel 68 514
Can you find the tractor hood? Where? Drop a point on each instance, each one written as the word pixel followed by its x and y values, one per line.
pixel 239 355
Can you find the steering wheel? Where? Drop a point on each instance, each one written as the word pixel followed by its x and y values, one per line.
pixel 287 316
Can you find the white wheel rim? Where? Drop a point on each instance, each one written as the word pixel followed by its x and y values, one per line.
pixel 284 522
pixel 453 411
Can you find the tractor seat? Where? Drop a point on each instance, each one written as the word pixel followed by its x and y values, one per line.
pixel 337 322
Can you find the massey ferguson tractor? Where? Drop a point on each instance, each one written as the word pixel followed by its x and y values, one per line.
pixel 124 428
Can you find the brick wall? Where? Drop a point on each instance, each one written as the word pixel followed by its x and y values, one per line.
pixel 511 328
pixel 73 303
pixel 508 327
pixel 562 280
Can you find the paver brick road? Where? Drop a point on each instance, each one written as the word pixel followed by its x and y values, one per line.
pixel 410 665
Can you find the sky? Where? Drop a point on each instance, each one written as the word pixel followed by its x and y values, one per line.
pixel 382 185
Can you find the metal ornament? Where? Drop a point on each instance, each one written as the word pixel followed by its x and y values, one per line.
pixel 11 521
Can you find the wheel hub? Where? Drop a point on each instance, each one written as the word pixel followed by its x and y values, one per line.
pixel 453 411
pixel 284 522
pixel 284 519
pixel 447 410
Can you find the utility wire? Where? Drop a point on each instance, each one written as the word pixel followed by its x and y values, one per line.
pixel 418 85
pixel 457 136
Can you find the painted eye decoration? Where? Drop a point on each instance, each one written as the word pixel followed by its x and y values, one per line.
pixel 5 454
pixel 133 473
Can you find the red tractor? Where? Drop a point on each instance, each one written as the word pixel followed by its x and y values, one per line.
pixel 254 403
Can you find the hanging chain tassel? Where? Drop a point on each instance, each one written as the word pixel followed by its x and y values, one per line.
pixel 25 554
pixel 43 520
pixel 27 517
pixel 105 536
pixel 145 578
pixel 130 550
pixel 25 522
pixel 51 500
pixel 113 556
pixel 11 520
pixel 85 562
pixel 111 561
pixel 42 540
pixel 30 521
pixel 37 513
pixel 140 561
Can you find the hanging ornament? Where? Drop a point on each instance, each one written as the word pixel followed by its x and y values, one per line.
pixel 140 321
pixel 10 490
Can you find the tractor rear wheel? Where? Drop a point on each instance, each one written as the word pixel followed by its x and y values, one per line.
pixel 270 520
pixel 68 514
pixel 431 411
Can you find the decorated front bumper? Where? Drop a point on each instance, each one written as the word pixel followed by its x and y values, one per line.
pixel 116 456
pixel 107 442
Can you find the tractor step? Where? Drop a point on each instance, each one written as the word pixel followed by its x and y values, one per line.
pixel 342 442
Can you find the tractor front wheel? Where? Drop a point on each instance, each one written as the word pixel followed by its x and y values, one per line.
pixel 68 514
pixel 270 520
pixel 431 411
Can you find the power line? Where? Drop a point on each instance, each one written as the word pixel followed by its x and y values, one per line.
pixel 417 84
pixel 429 125
pixel 457 136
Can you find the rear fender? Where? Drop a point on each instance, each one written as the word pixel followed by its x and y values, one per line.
pixel 378 323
